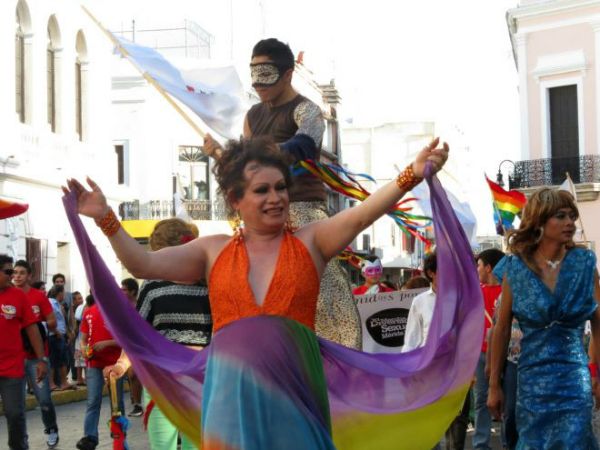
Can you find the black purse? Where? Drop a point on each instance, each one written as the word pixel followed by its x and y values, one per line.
pixel 27 343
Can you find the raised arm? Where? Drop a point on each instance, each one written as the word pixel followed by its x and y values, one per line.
pixel 185 263
pixel 332 235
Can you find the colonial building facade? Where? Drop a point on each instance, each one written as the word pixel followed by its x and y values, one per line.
pixel 556 45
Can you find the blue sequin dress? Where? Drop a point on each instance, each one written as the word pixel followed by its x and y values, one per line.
pixel 554 401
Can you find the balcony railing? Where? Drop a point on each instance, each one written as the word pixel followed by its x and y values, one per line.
pixel 552 171
pixel 163 209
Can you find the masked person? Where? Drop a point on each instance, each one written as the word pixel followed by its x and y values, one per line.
pixel 372 271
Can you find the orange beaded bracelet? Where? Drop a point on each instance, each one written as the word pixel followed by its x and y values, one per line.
pixel 109 224
pixel 407 179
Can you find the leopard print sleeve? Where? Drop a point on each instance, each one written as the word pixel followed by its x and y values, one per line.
pixel 309 118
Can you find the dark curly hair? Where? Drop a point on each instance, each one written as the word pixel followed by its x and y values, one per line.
pixel 229 169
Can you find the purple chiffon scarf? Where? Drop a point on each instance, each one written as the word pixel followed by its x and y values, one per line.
pixel 424 384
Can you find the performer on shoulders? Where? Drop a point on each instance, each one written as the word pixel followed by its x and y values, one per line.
pixel 296 124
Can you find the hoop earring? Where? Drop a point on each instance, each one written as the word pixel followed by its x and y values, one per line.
pixel 540 232
pixel 236 224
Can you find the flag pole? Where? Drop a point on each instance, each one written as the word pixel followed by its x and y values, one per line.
pixel 572 185
pixel 146 76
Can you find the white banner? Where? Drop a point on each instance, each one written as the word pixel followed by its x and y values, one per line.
pixel 383 317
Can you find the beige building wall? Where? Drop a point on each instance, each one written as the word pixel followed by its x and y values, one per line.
pixel 557 43
pixel 554 60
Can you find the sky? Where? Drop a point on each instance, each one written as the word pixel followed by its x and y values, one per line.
pixel 434 60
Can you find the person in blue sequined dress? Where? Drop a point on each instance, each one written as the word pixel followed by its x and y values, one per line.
pixel 551 286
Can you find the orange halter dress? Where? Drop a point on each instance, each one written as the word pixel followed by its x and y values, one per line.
pixel 292 292
pixel 264 386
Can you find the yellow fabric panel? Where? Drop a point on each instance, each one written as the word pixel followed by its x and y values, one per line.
pixel 420 429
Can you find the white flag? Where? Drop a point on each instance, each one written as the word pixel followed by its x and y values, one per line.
pixel 216 95
pixel 461 209
pixel 568 186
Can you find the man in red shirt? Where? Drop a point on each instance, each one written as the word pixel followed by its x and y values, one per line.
pixel 372 270
pixel 101 350
pixel 491 288
pixel 15 315
pixel 42 310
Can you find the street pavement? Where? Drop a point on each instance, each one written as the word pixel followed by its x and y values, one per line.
pixel 70 421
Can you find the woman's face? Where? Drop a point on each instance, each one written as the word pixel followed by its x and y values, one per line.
pixel 265 201
pixel 561 226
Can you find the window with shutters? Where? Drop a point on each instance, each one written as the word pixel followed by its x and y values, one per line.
pixel 81 61
pixel 564 132
pixel 53 47
pixel 19 70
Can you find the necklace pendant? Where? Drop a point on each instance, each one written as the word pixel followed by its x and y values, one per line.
pixel 553 264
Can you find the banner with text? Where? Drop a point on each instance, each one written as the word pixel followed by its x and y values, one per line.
pixel 383 317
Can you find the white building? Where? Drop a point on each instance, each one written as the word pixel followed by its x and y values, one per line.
pixel 55 110
pixel 73 109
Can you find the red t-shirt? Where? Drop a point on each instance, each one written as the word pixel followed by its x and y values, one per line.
pixel 15 314
pixel 41 308
pixel 490 294
pixel 93 325
pixel 360 290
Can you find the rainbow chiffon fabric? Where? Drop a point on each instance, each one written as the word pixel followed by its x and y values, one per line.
pixel 395 401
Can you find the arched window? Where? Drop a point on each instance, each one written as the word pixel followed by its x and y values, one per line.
pixel 52 73
pixel 80 84
pixel 22 28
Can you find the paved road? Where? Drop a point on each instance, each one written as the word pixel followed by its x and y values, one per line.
pixel 70 422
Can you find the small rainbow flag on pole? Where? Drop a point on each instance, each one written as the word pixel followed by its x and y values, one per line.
pixel 507 204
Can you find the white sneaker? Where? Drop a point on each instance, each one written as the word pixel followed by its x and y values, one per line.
pixel 52 440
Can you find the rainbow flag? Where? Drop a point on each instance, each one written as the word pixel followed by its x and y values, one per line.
pixel 507 204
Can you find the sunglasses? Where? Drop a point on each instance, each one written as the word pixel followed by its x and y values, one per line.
pixel 9 272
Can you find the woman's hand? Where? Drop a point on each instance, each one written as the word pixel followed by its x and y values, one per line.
pixel 437 156
pixel 117 370
pixel 495 402
pixel 89 203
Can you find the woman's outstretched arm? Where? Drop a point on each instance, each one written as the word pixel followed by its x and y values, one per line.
pixel 333 235
pixel 181 263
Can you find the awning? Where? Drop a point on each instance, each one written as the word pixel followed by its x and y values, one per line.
pixel 139 228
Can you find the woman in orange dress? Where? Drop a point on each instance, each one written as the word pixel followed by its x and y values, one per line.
pixel 263 385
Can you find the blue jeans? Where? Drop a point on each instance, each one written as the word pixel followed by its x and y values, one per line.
pixel 58 352
pixel 510 436
pixel 42 394
pixel 483 419
pixel 95 384
pixel 12 393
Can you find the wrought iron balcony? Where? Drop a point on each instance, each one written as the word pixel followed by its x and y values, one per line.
pixel 552 171
pixel 163 209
